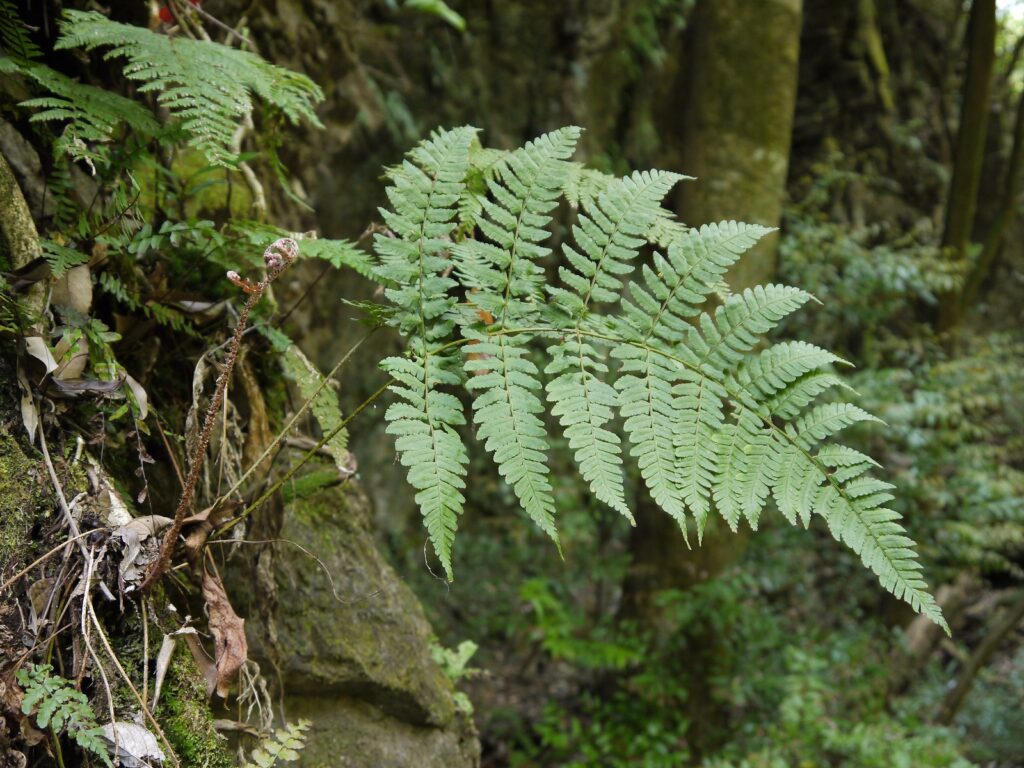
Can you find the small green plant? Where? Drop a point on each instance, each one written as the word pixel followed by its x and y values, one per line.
pixel 454 662
pixel 56 704
pixel 281 747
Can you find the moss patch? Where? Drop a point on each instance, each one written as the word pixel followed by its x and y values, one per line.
pixel 19 500
pixel 185 716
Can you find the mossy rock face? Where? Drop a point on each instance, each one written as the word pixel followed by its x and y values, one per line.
pixel 358 665
pixel 351 734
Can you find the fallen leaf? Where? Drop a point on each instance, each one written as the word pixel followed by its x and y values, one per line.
pixel 228 630
pixel 36 347
pixel 163 663
pixel 74 290
pixel 73 356
pixel 141 399
pixel 163 659
pixel 133 745
pixel 136 557
pixel 29 412
pixel 199 526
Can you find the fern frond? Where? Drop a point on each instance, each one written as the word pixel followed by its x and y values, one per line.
pixel 712 422
pixel 325 408
pixel 746 470
pixel 740 323
pixel 206 86
pixel 699 403
pixel 779 366
pixel 649 408
pixel 14 36
pixel 525 187
pixel 59 706
pixel 608 238
pixel 425 191
pixel 825 420
pixel 92 116
pixel 851 502
pixel 61 258
pixel 788 402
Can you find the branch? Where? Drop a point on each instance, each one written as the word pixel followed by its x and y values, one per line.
pixel 954 701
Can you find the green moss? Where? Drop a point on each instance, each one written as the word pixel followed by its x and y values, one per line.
pixel 19 499
pixel 306 485
pixel 184 714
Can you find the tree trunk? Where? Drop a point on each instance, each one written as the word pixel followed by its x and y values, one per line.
pixel 741 92
pixel 970 146
pixel 955 700
pixel 738 119
pixel 994 239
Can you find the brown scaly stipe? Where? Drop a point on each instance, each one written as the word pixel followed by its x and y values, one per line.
pixel 278 257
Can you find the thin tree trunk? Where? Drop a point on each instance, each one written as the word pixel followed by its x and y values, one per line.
pixel 970 146
pixel 738 119
pixel 955 700
pixel 994 239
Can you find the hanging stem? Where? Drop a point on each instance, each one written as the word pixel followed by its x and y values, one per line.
pixel 278 256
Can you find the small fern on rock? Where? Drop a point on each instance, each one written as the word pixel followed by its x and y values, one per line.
pixel 57 705
pixel 713 418
pixel 283 746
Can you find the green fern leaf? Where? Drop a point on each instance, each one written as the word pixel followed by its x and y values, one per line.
pixel 609 237
pixel 649 409
pixel 790 401
pixel 14 36
pixel 699 403
pixel 525 187
pixel 207 87
pixel 712 422
pixel 825 420
pixel 424 192
pixel 739 324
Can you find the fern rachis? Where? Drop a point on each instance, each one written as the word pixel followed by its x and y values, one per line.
pixel 713 423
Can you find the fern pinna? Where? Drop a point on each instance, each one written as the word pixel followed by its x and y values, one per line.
pixel 713 419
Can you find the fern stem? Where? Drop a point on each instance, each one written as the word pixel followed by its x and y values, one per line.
pixel 324 382
pixel 278 257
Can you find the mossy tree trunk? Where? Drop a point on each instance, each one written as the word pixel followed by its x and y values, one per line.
pixel 738 119
pixel 990 249
pixel 970 146
pixel 739 98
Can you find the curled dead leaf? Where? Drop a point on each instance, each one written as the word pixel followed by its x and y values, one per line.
pixel 136 553
pixel 141 398
pixel 199 526
pixel 29 412
pixel 228 630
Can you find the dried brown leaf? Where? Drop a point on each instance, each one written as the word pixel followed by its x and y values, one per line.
pixel 228 630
